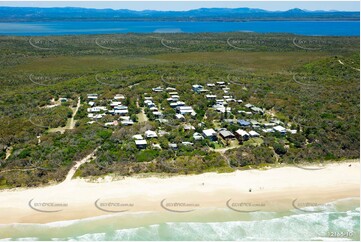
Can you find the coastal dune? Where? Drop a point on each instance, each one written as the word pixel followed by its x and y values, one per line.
pixel 273 189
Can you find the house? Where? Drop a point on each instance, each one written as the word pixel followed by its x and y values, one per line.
pixel 119 97
pixel 115 103
pixel 239 101
pixel 172 146
pixel 197 136
pixel 148 98
pixel 180 117
pixel 163 132
pixel 254 134
pixel 121 112
pixel 244 112
pixel 188 127
pixel 170 89
pixel 114 123
pixel 248 105
pixel 268 130
pixel 157 89
pixel 173 93
pixel 141 143
pixel 221 83
pixel 226 89
pixel 96 109
pixel 127 122
pixel 153 109
pixel 177 104
pixel 226 134
pixel 257 110
pixel 185 110
pixel 280 129
pixel 241 134
pixel 243 123
pixel 230 121
pixel 196 88
pixel 210 134
pixel 211 97
pixel 211 85
pixel 150 134
pixel 156 146
pixel 157 113
pixel 63 99
pixel 269 125
pixel 292 131
pixel 92 96
pixel 187 143
pixel 120 107
pixel 91 104
pixel 254 123
pixel 137 136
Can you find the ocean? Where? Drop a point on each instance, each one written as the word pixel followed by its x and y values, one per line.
pixel 338 220
pixel 311 28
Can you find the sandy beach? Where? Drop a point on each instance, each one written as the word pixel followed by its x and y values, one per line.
pixel 243 191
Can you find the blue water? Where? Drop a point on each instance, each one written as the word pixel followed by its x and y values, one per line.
pixel 319 28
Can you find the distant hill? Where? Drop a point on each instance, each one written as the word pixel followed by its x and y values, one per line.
pixel 12 14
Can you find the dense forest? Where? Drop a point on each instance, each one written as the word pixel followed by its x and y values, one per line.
pixel 309 83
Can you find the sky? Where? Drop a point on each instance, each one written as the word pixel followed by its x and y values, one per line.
pixel 187 5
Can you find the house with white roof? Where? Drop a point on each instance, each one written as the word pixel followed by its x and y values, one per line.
pixel 210 134
pixel 150 134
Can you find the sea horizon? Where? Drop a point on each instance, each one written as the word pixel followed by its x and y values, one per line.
pixel 309 28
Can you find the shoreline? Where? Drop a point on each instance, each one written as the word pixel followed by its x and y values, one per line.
pixel 274 189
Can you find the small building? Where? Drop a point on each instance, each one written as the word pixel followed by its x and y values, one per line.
pixel 180 117
pixel 141 143
pixel 172 145
pixel 92 96
pixel 121 112
pixel 197 136
pixel 268 130
pixel 127 122
pixel 211 85
pixel 157 89
pixel 185 110
pixel 257 110
pixel 226 134
pixel 280 129
pixel 210 134
pixel 253 134
pixel 292 131
pixel 120 107
pixel 170 89
pixel 156 146
pixel 243 123
pixel 115 103
pixel 187 143
pixel 188 127
pixel 248 105
pixel 211 97
pixel 197 87
pixel 119 97
pixel 150 134
pixel 242 134
pixel 137 136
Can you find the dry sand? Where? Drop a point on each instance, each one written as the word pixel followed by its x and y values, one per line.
pixel 273 189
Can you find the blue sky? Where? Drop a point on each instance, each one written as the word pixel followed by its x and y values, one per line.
pixel 176 5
